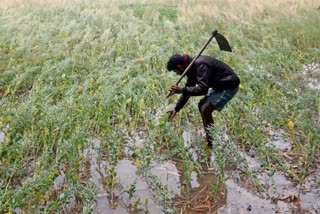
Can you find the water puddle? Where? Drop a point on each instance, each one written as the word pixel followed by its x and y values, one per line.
pixel 191 196
pixel 59 181
pixel 96 174
pixel 168 174
pixel 119 201
pixel 239 200
pixel 127 175
pixel 204 196
pixel 277 138
pixel 311 73
pixel 282 192
pixel 2 137
pixel 310 199
pixel 135 193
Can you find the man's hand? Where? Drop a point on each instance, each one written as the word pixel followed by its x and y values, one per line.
pixel 172 114
pixel 176 89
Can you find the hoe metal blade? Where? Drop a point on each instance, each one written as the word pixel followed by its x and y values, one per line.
pixel 222 42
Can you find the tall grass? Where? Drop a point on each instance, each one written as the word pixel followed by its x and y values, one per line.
pixel 73 70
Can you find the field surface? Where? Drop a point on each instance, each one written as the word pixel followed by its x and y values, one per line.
pixel 83 108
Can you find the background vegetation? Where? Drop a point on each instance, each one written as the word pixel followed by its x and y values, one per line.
pixel 75 70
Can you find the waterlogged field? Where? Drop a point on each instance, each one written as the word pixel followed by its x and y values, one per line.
pixel 83 124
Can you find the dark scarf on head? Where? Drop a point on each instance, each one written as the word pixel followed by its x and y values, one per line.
pixel 186 60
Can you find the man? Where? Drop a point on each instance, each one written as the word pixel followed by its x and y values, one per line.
pixel 207 77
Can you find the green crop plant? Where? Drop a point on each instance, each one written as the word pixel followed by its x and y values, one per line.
pixel 139 11
pixel 76 70
pixel 162 195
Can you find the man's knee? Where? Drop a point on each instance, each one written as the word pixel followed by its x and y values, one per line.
pixel 206 109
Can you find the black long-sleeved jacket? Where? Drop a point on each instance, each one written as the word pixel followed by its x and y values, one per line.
pixel 207 72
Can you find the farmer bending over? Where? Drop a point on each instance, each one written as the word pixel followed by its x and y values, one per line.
pixel 207 77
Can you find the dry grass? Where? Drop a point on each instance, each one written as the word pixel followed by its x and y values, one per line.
pixel 4 4
pixel 198 6
pixel 245 9
pixel 233 9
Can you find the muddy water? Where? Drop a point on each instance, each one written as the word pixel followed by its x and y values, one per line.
pixel 312 75
pixel 235 197
pixel 126 172
pixel 242 199
pixel 170 173
pixel 278 140
pixel 127 175
pixel 239 200
pixel 97 173
pixel 2 137
pixel 281 193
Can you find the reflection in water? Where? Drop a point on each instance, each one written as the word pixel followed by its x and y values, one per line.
pixel 278 187
pixel 202 196
pixel 126 173
pixel 126 176
pixel 168 174
pixel 239 200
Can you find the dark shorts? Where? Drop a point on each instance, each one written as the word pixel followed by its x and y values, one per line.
pixel 220 98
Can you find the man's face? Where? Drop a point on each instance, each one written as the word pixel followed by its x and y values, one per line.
pixel 179 70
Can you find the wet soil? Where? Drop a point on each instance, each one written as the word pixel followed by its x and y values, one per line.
pixel 200 197
pixel 193 197
pixel 279 194
pixel 311 74
pixel 275 193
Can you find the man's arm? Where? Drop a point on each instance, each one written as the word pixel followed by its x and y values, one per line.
pixel 181 102
pixel 202 86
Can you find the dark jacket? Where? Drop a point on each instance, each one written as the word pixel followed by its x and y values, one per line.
pixel 207 72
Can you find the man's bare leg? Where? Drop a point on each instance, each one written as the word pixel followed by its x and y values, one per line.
pixel 206 110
